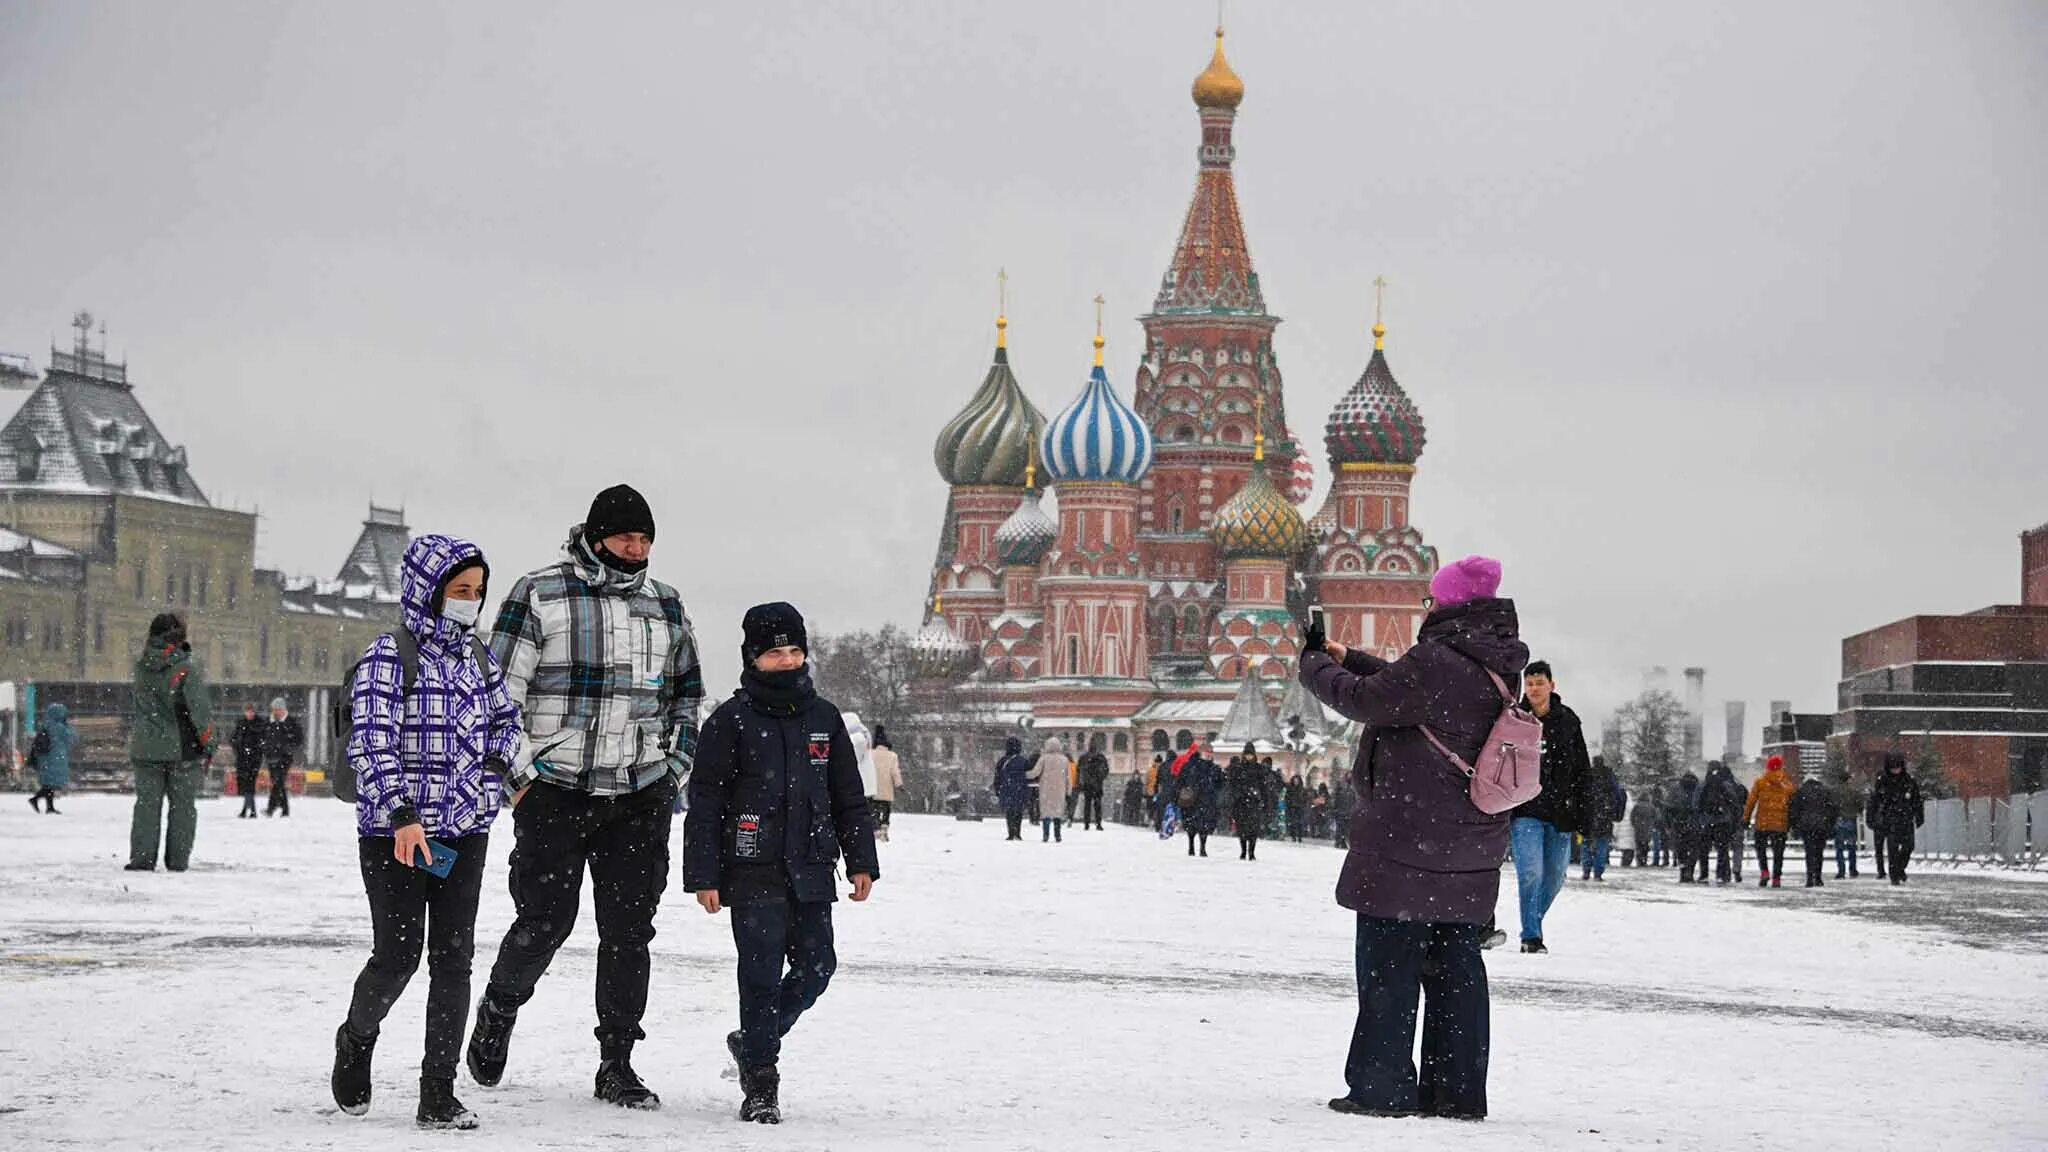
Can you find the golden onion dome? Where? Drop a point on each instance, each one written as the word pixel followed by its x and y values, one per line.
pixel 1259 520
pixel 1218 86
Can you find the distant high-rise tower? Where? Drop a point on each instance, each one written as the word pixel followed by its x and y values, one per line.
pixel 1738 719
pixel 1695 715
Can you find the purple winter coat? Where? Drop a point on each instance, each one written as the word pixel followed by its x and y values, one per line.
pixel 442 753
pixel 1419 849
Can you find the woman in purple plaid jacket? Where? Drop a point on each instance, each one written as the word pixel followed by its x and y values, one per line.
pixel 428 762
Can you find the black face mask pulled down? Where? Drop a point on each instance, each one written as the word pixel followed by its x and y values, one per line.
pixel 615 563
pixel 779 693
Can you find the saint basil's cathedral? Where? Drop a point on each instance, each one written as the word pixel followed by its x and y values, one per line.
pixel 1158 603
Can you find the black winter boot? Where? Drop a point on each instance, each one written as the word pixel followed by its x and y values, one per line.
pixel 351 1079
pixel 490 1043
pixel 762 1086
pixel 440 1109
pixel 618 1084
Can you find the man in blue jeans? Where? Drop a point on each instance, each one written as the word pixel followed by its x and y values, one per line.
pixel 1541 835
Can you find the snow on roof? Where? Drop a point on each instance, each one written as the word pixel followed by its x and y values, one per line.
pixel 11 541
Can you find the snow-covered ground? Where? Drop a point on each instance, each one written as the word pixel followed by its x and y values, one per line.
pixel 1109 992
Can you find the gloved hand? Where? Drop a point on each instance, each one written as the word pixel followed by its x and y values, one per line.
pixel 1313 638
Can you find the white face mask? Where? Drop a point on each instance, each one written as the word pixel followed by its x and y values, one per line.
pixel 464 613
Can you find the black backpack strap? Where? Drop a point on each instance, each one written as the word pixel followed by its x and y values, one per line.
pixel 408 657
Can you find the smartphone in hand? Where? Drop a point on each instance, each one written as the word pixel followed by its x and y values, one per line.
pixel 439 859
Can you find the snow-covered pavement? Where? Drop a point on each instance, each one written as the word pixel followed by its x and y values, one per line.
pixel 1108 992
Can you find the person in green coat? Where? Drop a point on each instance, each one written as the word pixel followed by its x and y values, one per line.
pixel 168 749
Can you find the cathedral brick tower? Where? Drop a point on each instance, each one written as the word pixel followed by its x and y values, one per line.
pixel 1372 569
pixel 1207 386
pixel 984 453
pixel 1092 582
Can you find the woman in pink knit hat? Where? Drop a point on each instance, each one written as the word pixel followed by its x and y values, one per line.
pixel 1423 869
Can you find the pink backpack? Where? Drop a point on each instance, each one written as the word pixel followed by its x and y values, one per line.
pixel 1510 769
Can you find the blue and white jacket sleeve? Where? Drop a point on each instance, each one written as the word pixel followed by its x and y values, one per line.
pixel 377 703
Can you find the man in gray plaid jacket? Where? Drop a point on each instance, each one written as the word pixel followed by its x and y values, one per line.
pixel 602 661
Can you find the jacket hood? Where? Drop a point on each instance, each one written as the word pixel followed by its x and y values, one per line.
pixel 429 562
pixel 1012 746
pixel 56 715
pixel 594 572
pixel 1688 783
pixel 162 659
pixel 1488 631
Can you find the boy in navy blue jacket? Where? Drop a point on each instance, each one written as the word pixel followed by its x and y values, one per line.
pixel 775 798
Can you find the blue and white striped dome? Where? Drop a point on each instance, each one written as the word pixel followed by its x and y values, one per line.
pixel 1097 439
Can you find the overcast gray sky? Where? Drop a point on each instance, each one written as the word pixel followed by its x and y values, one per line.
pixel 1725 319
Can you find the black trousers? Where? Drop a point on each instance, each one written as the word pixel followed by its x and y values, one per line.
pixel 1816 856
pixel 624 841
pixel 1770 854
pixel 1899 849
pixel 786 960
pixel 1880 848
pixel 245 786
pixel 410 907
pixel 1721 840
pixel 281 789
pixel 1397 961
pixel 1091 810
pixel 1013 818
pixel 1248 847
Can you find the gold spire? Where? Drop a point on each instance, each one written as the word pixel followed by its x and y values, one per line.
pixel 1098 329
pixel 1031 477
pixel 1259 430
pixel 1002 308
pixel 1218 86
pixel 939 605
pixel 1379 314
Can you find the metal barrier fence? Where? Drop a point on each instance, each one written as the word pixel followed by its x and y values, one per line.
pixel 2011 833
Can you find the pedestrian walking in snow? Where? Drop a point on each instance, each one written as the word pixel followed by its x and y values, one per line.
pixel 1689 830
pixel 602 661
pixel 1542 829
pixel 1896 813
pixel 283 736
pixel 1093 771
pixel 1769 811
pixel 1425 875
pixel 1133 812
pixel 888 778
pixel 1606 803
pixel 248 745
pixel 169 744
pixel 1811 815
pixel 1200 784
pixel 1625 839
pixel 1720 804
pixel 1300 803
pixel 431 742
pixel 50 755
pixel 1848 809
pixel 1051 773
pixel 775 800
pixel 1012 786
pixel 1246 779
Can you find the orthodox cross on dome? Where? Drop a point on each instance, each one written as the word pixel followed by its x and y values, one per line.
pixel 1379 314
pixel 1002 307
pixel 1099 302
pixel 1259 429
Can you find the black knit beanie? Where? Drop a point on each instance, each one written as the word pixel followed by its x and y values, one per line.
pixel 166 631
pixel 617 510
pixel 771 626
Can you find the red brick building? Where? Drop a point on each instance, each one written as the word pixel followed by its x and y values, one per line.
pixel 1972 689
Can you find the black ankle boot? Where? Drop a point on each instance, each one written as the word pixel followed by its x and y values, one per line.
pixel 618 1084
pixel 440 1109
pixel 762 1086
pixel 490 1043
pixel 351 1079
